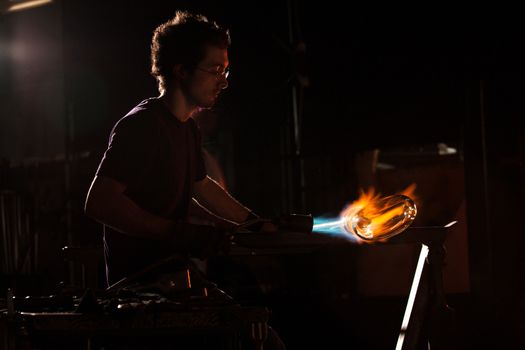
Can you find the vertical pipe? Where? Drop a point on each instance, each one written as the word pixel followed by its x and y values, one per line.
pixel 486 200
pixel 35 256
pixel 285 170
pixel 4 232
pixel 17 231
pixel 297 163
pixel 67 183
pixel 31 243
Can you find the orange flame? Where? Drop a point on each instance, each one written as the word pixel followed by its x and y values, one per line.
pixel 375 218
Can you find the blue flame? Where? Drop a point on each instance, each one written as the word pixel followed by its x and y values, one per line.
pixel 332 226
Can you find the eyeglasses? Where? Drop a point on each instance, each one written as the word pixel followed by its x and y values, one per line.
pixel 219 72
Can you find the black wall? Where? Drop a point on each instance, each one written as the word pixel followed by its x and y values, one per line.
pixel 397 83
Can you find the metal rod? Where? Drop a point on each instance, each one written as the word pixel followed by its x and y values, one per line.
pixel 486 185
pixel 31 244
pixel 17 223
pixel 412 298
pixel 5 234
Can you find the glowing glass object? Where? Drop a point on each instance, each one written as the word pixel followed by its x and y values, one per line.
pixel 383 219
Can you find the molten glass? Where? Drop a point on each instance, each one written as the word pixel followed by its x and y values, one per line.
pixel 379 220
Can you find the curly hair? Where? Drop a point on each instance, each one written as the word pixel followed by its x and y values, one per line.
pixel 182 40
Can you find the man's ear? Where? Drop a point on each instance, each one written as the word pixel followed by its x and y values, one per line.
pixel 179 72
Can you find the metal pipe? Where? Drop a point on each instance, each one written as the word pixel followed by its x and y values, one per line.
pixel 31 243
pixel 17 228
pixel 4 233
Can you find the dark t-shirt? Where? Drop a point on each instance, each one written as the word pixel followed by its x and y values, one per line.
pixel 158 158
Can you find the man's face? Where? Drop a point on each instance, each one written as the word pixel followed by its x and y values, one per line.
pixel 209 78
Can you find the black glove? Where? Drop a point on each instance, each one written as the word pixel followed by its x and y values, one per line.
pixel 200 241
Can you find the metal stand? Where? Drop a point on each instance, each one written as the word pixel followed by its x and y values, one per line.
pixel 428 322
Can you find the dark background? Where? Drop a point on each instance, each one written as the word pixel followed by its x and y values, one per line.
pixel 397 81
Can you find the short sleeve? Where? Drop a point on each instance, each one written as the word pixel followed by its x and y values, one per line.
pixel 200 168
pixel 130 150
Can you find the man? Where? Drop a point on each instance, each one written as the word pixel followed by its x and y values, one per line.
pixel 152 173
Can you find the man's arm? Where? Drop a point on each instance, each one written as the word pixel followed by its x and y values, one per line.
pixel 215 198
pixel 107 204
pixel 202 215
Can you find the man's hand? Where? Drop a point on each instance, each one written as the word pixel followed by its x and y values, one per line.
pixel 200 241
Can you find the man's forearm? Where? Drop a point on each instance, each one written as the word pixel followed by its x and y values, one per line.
pixel 213 197
pixel 197 211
